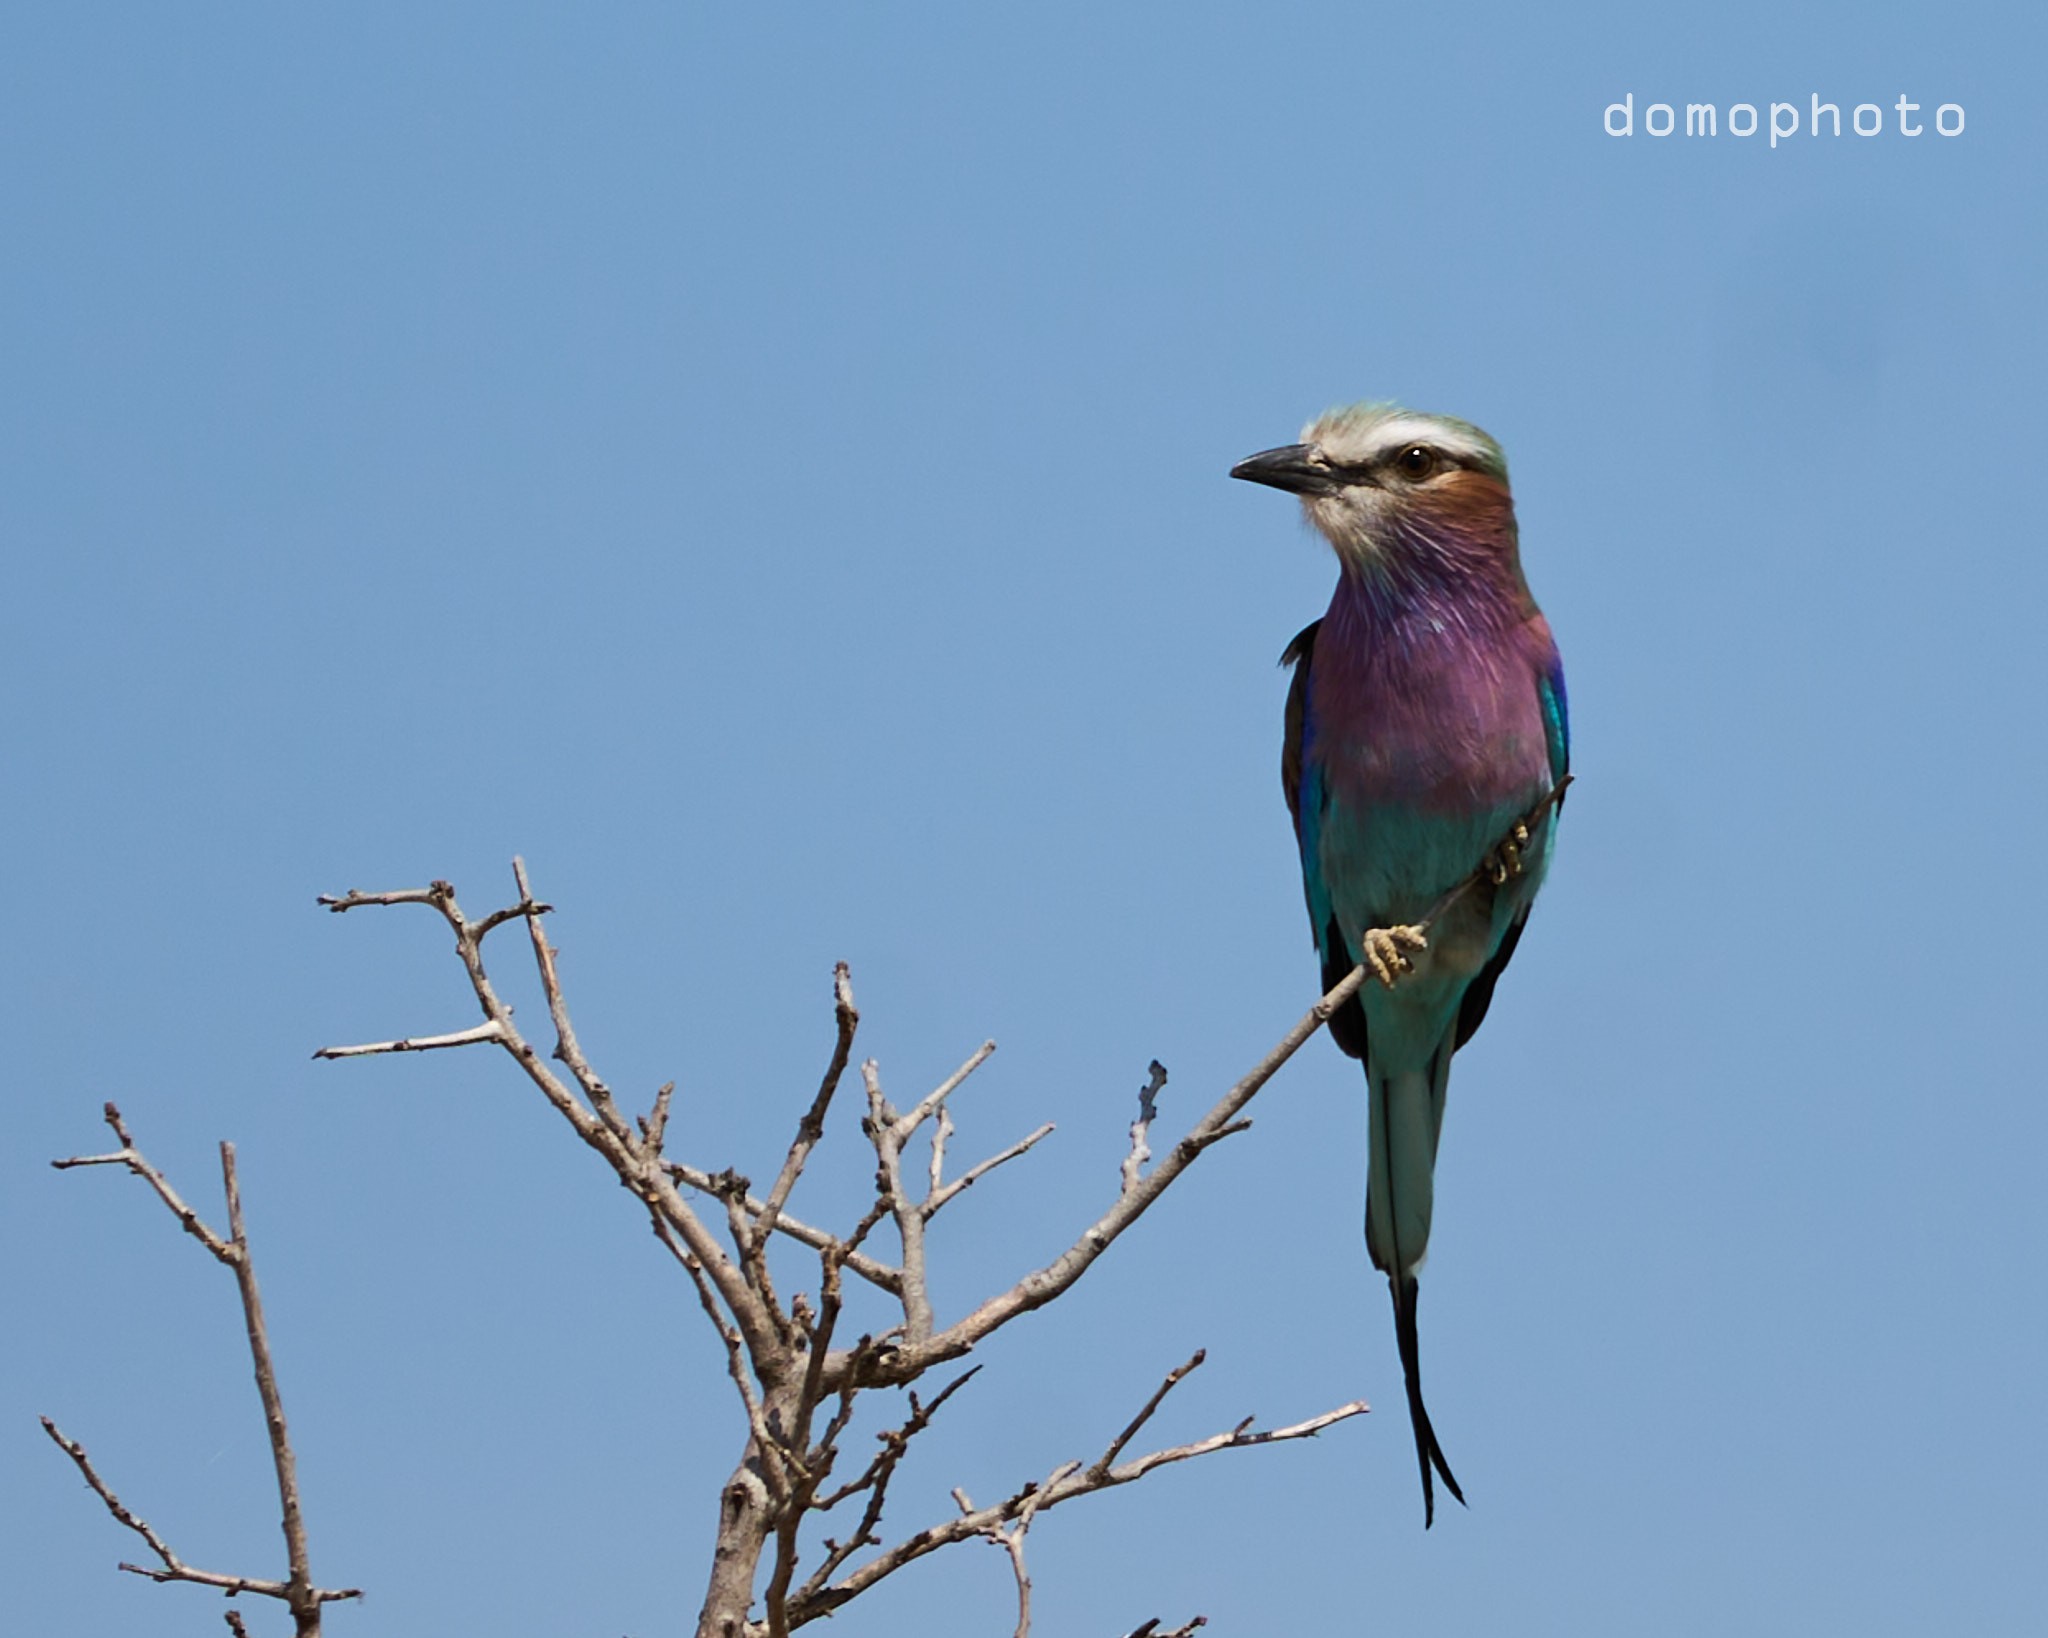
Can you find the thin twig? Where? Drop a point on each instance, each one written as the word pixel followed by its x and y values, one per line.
pixel 355 899
pixel 654 1127
pixel 303 1598
pixel 875 1481
pixel 1107 1459
pixel 735 1357
pixel 1067 1483
pixel 474 1036
pixel 567 1051
pixel 887 1131
pixel 930 1103
pixel 783 1362
pixel 174 1568
pixel 868 1268
pixel 968 1178
pixel 131 1157
pixel 605 1130
pixel 1012 1541
pixel 924 1348
pixel 1148 1110
pixel 812 1127
pixel 921 1352
pixel 298 1592
pixel 942 1129
pixel 895 1442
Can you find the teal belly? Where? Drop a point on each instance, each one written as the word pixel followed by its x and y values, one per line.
pixel 1389 866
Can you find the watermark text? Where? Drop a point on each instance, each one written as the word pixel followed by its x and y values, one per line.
pixel 1781 120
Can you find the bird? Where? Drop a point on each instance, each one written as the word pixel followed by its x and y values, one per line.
pixel 1426 746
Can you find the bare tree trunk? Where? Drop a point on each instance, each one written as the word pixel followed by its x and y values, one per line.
pixel 745 1519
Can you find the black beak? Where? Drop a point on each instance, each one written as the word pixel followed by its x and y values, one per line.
pixel 1297 468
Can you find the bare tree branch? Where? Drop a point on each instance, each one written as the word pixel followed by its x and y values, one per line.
pixel 298 1592
pixel 968 1178
pixel 567 1051
pixel 1063 1485
pixel 1011 1540
pixel 1133 1167
pixel 1107 1459
pixel 131 1157
pixel 921 1352
pixel 942 1129
pixel 895 1441
pixel 935 1099
pixel 174 1568
pixel 728 1334
pixel 355 899
pixel 781 1356
pixel 654 1127
pixel 868 1268
pixel 303 1597
pixel 602 1128
pixel 888 1131
pixel 812 1127
pixel 418 1043
pixel 874 1481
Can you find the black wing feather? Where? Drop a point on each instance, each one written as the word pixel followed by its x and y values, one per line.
pixel 1479 993
pixel 1347 1023
pixel 1298 654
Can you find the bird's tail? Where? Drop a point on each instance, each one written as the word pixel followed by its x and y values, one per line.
pixel 1407 1115
pixel 1428 1453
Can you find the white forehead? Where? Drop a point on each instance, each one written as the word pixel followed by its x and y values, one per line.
pixel 1361 433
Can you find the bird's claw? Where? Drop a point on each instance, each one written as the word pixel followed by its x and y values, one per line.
pixel 1506 859
pixel 1386 951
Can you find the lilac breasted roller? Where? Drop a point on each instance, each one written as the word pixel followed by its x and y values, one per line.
pixel 1426 717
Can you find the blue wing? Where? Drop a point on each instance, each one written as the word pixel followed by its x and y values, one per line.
pixel 1557 723
pixel 1557 733
pixel 1302 781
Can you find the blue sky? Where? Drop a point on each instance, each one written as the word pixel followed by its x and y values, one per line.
pixel 768 470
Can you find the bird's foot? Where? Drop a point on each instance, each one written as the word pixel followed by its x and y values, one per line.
pixel 1506 859
pixel 1386 951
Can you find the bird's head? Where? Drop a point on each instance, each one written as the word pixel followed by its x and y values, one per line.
pixel 1398 492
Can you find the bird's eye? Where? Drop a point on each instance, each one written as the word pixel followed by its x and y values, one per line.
pixel 1417 460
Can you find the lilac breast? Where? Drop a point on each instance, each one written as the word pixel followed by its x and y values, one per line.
pixel 1429 707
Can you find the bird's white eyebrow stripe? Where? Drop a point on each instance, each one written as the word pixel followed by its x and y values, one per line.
pixel 1404 430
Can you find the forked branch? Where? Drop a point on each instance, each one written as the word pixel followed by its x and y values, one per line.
pixel 298 1591
pixel 798 1387
pixel 1064 1484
